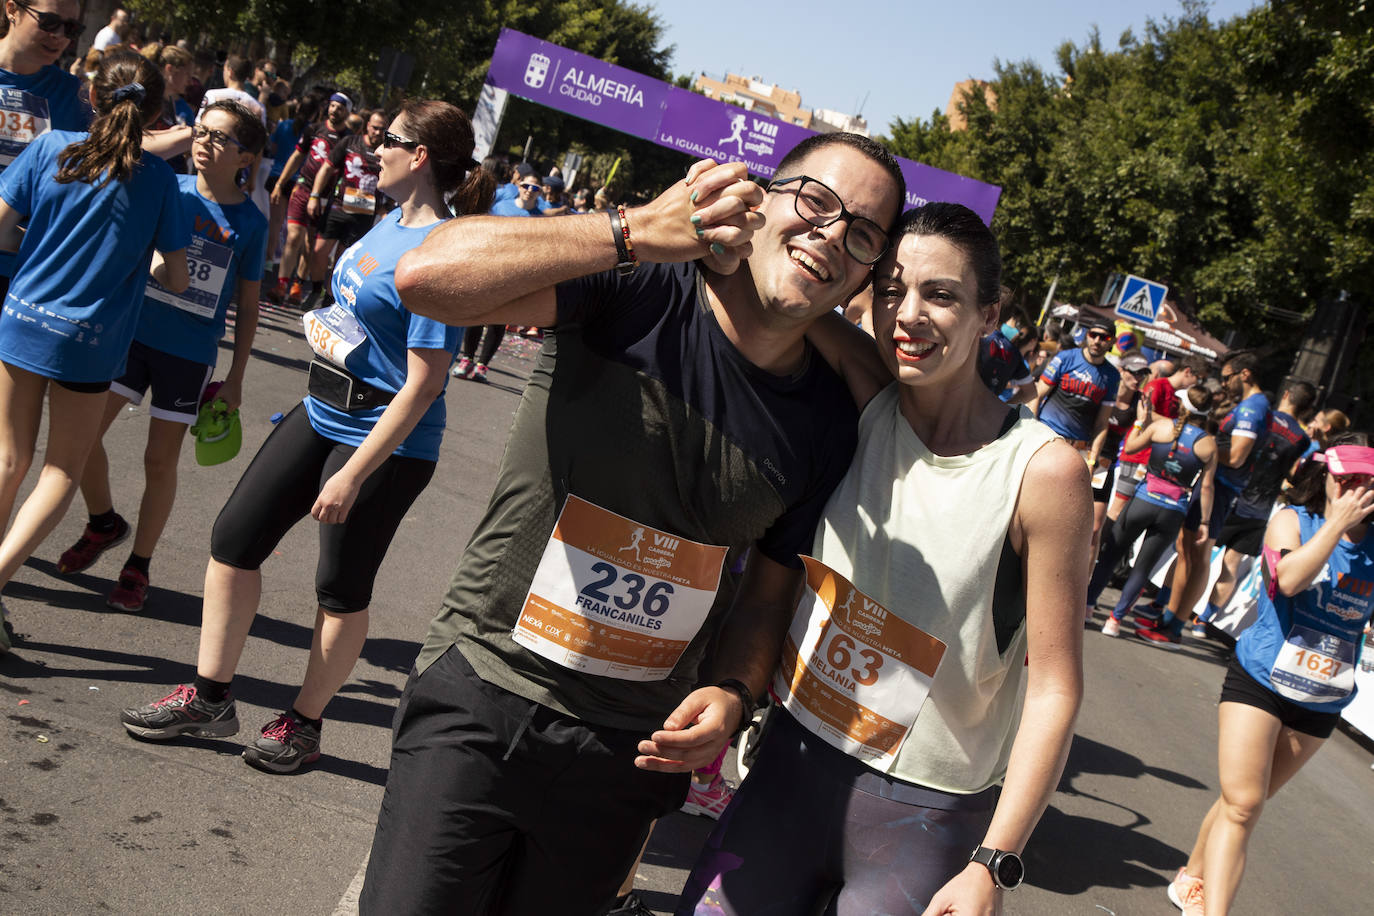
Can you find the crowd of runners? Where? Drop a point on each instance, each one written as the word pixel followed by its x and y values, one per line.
pixel 740 474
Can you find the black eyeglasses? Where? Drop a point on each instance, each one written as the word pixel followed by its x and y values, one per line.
pixel 390 140
pixel 864 239
pixel 53 23
pixel 215 138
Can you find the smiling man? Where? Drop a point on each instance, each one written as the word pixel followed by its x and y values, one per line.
pixel 571 683
pixel 1077 388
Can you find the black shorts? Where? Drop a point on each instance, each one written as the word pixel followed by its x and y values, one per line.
pixel 280 487
pixel 1240 687
pixel 1244 535
pixel 495 804
pixel 814 830
pixel 1223 501
pixel 343 227
pixel 1103 493
pixel 177 383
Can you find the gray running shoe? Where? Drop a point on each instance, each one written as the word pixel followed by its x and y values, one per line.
pixel 182 712
pixel 286 744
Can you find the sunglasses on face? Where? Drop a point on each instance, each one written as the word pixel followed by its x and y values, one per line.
pixel 1098 335
pixel 390 140
pixel 215 138
pixel 531 187
pixel 53 23
pixel 1351 481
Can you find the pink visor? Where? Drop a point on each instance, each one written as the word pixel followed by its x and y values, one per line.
pixel 1348 459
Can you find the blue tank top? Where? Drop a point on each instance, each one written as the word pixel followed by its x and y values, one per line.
pixel 1305 648
pixel 1173 468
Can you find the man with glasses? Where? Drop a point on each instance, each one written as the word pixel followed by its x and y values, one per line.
pixel 312 151
pixel 344 200
pixel 1076 390
pixel 684 437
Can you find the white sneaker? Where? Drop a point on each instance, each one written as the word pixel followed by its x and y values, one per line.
pixel 1111 626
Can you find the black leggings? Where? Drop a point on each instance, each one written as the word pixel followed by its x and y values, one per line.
pixel 1161 526
pixel 490 336
pixel 280 487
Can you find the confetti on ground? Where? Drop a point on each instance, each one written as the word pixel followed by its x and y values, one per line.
pixel 42 739
pixel 23 702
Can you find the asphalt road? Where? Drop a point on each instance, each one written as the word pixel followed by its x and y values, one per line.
pixel 97 822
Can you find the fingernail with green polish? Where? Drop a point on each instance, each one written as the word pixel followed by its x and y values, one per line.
pixel 701 233
pixel 696 219
pixel 692 197
pixel 717 248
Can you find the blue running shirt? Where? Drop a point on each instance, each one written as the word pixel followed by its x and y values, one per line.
pixel 1079 390
pixel 83 264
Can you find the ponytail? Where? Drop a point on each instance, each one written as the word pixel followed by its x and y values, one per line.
pixel 127 94
pixel 474 195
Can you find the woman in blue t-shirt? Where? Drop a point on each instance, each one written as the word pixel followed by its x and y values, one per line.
pixel 365 440
pixel 1294 667
pixel 96 208
pixel 1183 455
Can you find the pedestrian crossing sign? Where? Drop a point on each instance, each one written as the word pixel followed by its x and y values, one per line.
pixel 1140 299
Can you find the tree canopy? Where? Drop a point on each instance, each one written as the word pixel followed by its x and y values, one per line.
pixel 1231 160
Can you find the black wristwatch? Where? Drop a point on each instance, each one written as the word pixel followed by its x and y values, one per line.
pixel 746 698
pixel 1006 868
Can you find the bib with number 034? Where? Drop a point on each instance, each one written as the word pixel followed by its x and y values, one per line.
pixel 208 263
pixel 1314 667
pixel 363 198
pixel 333 333
pixel 23 117
pixel 852 672
pixel 617 598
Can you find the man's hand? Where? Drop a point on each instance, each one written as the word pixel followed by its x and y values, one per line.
pixel 709 212
pixel 693 735
pixel 969 893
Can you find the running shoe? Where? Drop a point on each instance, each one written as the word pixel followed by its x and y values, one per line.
pixel 297 293
pixel 182 712
pixel 1111 626
pixel 710 799
pixel 91 545
pixel 1164 637
pixel 461 368
pixel 131 592
pixel 285 745
pixel 277 292
pixel 479 373
pixel 1198 630
pixel 1185 892
pixel 1148 610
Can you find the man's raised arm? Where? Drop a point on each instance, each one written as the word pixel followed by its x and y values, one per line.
pixel 494 269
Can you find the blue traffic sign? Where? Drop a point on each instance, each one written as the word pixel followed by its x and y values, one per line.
pixel 1140 299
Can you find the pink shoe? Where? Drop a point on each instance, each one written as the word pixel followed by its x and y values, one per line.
pixel 1185 892
pixel 710 799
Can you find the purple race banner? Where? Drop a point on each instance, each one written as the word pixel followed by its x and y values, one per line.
pixel 703 128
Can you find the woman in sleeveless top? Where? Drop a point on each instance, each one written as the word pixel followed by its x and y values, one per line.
pixel 936 651
pixel 1294 667
pixel 1182 455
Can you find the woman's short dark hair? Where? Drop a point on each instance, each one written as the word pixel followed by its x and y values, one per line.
pixel 1309 484
pixel 965 230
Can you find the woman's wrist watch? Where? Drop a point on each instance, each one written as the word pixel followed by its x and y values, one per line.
pixel 1006 868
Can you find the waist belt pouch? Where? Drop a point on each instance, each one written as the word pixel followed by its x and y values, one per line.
pixel 342 390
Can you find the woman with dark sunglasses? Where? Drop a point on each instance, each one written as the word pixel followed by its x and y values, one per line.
pixel 1294 667
pixel 33 36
